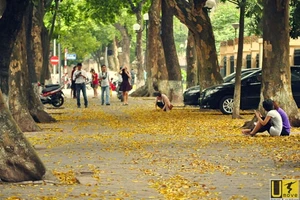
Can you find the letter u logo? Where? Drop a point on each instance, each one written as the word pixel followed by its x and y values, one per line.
pixel 276 189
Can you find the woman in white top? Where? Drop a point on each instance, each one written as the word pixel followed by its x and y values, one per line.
pixel 271 123
pixel 163 102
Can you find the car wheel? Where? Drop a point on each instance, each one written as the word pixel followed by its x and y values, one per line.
pixel 226 105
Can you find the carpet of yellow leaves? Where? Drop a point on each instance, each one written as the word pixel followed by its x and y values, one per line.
pixel 137 152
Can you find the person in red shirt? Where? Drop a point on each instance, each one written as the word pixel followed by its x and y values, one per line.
pixel 95 82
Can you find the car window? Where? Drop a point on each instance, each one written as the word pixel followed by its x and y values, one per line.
pixel 229 77
pixel 254 79
pixel 195 88
pixel 295 74
pixel 243 74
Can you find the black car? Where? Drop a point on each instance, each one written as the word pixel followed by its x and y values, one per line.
pixel 192 94
pixel 221 96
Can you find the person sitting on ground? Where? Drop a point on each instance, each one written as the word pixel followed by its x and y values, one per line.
pixel 163 102
pixel 271 123
pixel 286 126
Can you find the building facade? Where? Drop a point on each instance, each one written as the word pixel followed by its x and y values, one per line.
pixel 252 54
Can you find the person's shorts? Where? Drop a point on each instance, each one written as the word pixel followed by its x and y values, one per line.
pixel 160 104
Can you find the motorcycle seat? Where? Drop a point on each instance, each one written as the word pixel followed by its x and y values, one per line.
pixel 48 89
pixel 52 85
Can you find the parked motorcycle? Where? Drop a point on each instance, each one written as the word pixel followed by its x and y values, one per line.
pixel 52 94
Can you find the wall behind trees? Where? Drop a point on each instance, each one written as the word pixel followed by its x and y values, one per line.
pixel 252 54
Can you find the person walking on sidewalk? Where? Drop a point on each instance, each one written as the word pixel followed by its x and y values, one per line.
pixel 104 82
pixel 80 76
pixel 125 86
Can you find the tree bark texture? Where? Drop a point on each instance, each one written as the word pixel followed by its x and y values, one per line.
pixel 19 83
pixel 197 20
pixel 172 63
pixel 153 42
pixel 237 87
pixel 9 25
pixel 139 50
pixel 18 160
pixel 111 62
pixel 35 60
pixel 37 46
pixel 45 72
pixel 96 56
pixel 276 74
pixel 125 61
pixel 116 67
pixel 191 58
pixel 163 76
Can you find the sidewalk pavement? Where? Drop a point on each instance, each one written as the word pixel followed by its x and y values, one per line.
pixel 135 152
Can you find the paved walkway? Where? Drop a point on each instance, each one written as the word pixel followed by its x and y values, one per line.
pixel 135 152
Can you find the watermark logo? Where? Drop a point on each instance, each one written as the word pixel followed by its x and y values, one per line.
pixel 285 189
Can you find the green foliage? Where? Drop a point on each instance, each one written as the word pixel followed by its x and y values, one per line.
pixel 87 26
pixel 77 32
pixel 222 18
pixel 108 11
pixel 254 12
pixel 104 10
pixel 183 74
pixel 295 19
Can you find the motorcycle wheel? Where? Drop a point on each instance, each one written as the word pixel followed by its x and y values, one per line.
pixel 57 102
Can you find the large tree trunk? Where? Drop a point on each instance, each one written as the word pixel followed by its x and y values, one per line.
pixel 157 74
pixel 191 57
pixel 197 20
pixel 19 82
pixel 9 25
pixel 116 66
pixel 163 76
pixel 45 37
pixel 139 50
pixel 37 44
pixel 153 34
pixel 276 74
pixel 18 160
pixel 96 56
pixel 237 88
pixel 111 57
pixel 125 61
pixel 172 63
pixel 35 61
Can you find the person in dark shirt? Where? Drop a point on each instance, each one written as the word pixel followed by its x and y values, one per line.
pixel 125 86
